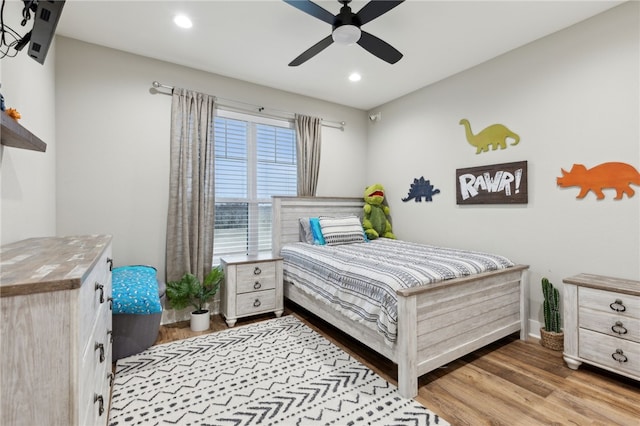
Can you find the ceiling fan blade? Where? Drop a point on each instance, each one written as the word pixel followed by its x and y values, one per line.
pixel 373 9
pixel 379 48
pixel 312 9
pixel 312 51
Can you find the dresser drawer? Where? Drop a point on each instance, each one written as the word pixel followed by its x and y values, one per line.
pixel 256 302
pixel 601 349
pixel 92 371
pixel 91 412
pixel 619 304
pixel 94 295
pixel 609 323
pixel 256 276
pixel 99 411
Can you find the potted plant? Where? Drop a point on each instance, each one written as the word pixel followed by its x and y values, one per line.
pixel 551 336
pixel 188 291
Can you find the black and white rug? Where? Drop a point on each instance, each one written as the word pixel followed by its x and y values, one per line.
pixel 276 372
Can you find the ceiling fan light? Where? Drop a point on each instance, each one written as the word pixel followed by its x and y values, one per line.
pixel 346 34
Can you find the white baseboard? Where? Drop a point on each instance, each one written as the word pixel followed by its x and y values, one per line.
pixel 534 329
pixel 171 316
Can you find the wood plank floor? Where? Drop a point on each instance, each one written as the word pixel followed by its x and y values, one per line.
pixel 509 382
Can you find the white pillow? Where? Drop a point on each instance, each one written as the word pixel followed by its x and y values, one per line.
pixel 342 230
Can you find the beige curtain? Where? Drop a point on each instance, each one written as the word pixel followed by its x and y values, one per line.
pixel 308 133
pixel 191 185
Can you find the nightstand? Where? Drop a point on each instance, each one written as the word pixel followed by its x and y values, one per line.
pixel 602 323
pixel 253 285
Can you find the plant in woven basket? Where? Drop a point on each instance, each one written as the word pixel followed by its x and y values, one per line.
pixel 551 335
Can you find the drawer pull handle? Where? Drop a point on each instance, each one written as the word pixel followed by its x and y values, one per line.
pixel 110 335
pixel 257 271
pixel 257 285
pixel 110 262
pixel 98 398
pixel 619 356
pixel 619 328
pixel 100 347
pixel 110 299
pixel 256 303
pixel 101 288
pixel 111 378
pixel 618 306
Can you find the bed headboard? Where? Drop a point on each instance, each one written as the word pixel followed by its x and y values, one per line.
pixel 286 212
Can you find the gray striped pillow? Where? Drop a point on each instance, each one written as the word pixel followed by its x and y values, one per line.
pixel 342 230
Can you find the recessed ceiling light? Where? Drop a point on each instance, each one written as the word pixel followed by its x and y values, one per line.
pixel 182 21
pixel 355 76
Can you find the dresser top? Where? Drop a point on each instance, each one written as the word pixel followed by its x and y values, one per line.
pixel 38 265
pixel 600 282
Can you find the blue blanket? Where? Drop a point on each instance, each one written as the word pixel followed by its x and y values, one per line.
pixel 135 290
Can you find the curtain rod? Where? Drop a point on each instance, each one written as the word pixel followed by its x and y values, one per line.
pixel 259 109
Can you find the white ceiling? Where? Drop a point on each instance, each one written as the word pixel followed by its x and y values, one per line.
pixel 255 40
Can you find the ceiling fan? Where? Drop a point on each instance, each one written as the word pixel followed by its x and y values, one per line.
pixel 346 28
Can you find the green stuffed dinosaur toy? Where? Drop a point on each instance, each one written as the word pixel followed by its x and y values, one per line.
pixel 376 216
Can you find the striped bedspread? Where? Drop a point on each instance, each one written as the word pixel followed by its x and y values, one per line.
pixel 360 280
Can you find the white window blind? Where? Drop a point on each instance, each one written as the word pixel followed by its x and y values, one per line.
pixel 255 159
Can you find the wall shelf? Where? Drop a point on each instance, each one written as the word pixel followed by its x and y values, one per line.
pixel 13 134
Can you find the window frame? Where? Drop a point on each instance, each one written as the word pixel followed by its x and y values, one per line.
pixel 253 201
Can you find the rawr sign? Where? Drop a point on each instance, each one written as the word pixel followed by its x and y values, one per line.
pixel 495 184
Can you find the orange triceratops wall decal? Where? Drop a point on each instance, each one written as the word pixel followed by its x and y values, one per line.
pixel 618 176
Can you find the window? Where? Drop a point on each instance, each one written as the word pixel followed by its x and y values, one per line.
pixel 255 159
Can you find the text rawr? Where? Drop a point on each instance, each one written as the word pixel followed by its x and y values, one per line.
pixel 471 185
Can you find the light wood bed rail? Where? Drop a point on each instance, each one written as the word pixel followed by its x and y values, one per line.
pixel 436 324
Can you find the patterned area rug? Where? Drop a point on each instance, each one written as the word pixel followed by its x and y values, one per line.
pixel 276 372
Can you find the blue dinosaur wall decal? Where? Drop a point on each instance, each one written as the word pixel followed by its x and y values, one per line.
pixel 421 188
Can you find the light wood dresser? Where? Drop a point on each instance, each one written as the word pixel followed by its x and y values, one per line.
pixel 602 323
pixel 55 331
pixel 253 285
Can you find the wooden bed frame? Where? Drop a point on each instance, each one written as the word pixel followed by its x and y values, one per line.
pixel 436 324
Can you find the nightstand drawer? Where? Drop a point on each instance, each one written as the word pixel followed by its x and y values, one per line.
pixel 610 352
pixel 610 324
pixel 624 305
pixel 256 302
pixel 256 276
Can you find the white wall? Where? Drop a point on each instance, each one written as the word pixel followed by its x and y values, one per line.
pixel 573 97
pixel 27 178
pixel 113 149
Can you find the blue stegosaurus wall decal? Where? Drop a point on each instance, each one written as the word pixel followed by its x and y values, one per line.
pixel 421 188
